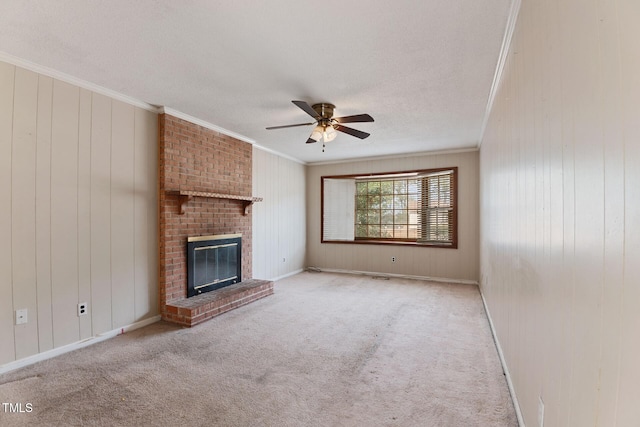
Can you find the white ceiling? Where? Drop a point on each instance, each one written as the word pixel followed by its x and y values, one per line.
pixel 422 69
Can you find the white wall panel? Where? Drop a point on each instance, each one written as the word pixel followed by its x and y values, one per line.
pixel 258 218
pixel 122 213
pixel 84 210
pixel 43 213
pixel 628 12
pixel 64 213
pixel 100 310
pixel 589 204
pixel 614 227
pixel 68 205
pixel 459 264
pixel 7 78
pixel 559 185
pixel 23 209
pixel 279 221
pixel 146 218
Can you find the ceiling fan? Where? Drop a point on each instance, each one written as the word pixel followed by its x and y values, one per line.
pixel 326 124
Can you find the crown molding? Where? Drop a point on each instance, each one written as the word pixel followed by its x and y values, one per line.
pixel 502 59
pixel 40 69
pixel 277 153
pixel 204 124
pixel 58 75
pixel 211 126
pixel 396 156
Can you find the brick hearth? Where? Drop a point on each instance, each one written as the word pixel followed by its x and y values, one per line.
pixel 193 158
pixel 191 311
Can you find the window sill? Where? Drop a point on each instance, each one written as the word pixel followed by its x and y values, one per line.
pixel 393 243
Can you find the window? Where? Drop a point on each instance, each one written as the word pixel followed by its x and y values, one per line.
pixel 417 207
pixel 387 208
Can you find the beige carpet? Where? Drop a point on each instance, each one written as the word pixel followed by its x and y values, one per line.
pixel 325 350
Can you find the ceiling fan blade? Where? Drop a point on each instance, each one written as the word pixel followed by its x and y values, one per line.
pixel 307 109
pixel 358 118
pixel 352 132
pixel 311 140
pixel 289 126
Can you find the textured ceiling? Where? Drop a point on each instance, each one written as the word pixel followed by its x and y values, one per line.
pixel 422 69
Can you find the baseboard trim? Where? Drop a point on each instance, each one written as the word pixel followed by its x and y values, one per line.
pixel 394 275
pixel 11 366
pixel 503 362
pixel 284 276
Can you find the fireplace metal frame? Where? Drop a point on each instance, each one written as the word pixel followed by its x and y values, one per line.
pixel 211 242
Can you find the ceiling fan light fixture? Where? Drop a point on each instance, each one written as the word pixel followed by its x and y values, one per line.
pixel 317 133
pixel 329 133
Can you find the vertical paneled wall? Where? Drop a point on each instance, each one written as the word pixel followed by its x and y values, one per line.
pixel 279 222
pixel 78 221
pixel 560 209
pixel 459 264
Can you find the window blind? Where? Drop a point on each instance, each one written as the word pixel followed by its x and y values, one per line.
pixel 436 216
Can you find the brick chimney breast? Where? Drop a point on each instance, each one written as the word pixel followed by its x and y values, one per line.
pixel 194 158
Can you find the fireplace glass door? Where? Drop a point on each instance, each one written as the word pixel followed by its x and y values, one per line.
pixel 213 263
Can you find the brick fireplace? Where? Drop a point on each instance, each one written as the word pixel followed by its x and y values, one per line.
pixel 204 189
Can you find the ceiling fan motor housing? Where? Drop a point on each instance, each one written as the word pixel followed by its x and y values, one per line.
pixel 324 110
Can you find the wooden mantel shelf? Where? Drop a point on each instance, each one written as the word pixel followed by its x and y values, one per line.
pixel 186 195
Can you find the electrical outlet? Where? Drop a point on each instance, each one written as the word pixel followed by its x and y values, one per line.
pixel 83 308
pixel 393 259
pixel 540 411
pixel 21 316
